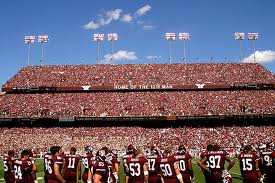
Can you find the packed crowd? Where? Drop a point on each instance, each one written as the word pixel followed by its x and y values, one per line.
pixel 183 103
pixel 140 74
pixel 40 139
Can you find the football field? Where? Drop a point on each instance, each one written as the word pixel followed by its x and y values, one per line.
pixel 199 178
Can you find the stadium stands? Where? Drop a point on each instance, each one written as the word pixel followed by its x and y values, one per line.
pixel 150 74
pixel 178 103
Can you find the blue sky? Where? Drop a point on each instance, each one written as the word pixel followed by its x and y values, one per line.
pixel 141 26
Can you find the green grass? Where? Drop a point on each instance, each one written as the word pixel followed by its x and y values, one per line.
pixel 197 172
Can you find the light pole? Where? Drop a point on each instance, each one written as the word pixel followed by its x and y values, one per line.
pixel 42 39
pixel 170 36
pixel 184 36
pixel 239 36
pixel 253 36
pixel 112 37
pixel 98 38
pixel 29 40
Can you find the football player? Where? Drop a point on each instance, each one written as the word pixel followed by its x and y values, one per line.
pixel 216 161
pixel 8 162
pixel 153 165
pixel 185 164
pixel 266 161
pixel 170 168
pixel 23 168
pixel 99 170
pixel 249 165
pixel 210 147
pixel 272 172
pixel 54 166
pixel 86 159
pixel 136 168
pixel 71 165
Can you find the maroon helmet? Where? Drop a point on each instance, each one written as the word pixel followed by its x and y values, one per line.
pixel 181 149
pixel 130 149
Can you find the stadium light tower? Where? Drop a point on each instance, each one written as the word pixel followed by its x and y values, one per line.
pixel 98 38
pixel 112 37
pixel 184 36
pixel 253 36
pixel 239 36
pixel 42 39
pixel 170 36
pixel 29 40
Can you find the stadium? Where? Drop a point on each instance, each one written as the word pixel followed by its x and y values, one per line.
pixel 140 104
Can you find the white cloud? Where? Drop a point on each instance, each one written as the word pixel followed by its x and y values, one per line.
pixel 143 10
pixel 261 57
pixel 121 55
pixel 104 19
pixel 126 18
pixel 91 25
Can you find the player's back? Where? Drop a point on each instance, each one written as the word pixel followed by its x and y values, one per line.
pixel 248 163
pixel 168 170
pixel 153 164
pixel 101 168
pixel 183 160
pixel 50 167
pixel 23 171
pixel 47 159
pixel 135 169
pixel 266 158
pixel 216 160
pixel 8 163
pixel 71 163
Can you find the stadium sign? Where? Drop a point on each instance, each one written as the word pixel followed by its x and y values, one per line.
pixel 142 87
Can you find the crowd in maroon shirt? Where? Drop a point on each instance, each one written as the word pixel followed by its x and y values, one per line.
pixel 180 103
pixel 119 138
pixel 139 74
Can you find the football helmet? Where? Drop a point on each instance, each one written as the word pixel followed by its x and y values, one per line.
pixel 226 177
pixel 101 154
pixel 89 149
pixel 130 149
pixel 154 150
pixel 181 149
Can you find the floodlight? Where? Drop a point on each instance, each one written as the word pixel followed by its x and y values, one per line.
pixel 170 36
pixel 29 39
pixel 43 39
pixel 239 36
pixel 184 36
pixel 253 35
pixel 98 37
pixel 112 37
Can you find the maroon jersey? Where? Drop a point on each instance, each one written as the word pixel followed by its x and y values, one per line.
pixel 168 170
pixel 23 171
pixel 71 162
pixel 134 169
pixel 153 164
pixel 266 159
pixel 8 163
pixel 86 159
pixel 50 167
pixel 101 168
pixel 47 158
pixel 216 160
pixel 183 162
pixel 248 163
